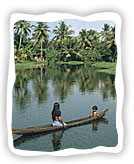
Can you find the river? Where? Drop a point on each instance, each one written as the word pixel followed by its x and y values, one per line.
pixel 77 89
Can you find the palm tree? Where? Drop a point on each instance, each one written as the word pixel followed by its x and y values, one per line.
pixel 105 33
pixel 40 34
pixel 83 39
pixel 70 51
pixel 62 32
pixel 22 29
pixel 93 37
pixel 112 44
pixel 88 39
pixel 111 39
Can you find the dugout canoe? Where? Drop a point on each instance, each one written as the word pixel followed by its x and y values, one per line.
pixel 49 128
pixel 23 138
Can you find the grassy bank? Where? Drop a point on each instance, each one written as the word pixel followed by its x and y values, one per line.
pixel 106 67
pixel 30 64
pixel 26 65
pixel 71 63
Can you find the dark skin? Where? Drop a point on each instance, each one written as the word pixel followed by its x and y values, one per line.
pixel 95 113
pixel 59 119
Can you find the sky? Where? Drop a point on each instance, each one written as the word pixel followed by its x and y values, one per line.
pixel 77 25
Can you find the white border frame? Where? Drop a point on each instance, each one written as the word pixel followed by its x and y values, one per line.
pixel 50 17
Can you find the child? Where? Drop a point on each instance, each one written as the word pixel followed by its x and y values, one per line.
pixel 56 115
pixel 95 112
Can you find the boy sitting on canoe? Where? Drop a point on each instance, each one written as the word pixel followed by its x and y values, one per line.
pixel 56 115
pixel 95 112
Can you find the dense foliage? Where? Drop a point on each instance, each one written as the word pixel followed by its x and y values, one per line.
pixel 32 42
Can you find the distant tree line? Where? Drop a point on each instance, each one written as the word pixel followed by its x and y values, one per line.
pixel 88 45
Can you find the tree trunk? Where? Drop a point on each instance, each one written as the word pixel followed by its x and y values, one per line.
pixel 41 49
pixel 20 41
pixel 41 74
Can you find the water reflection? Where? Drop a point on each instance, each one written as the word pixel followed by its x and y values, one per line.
pixel 40 80
pixel 56 136
pixel 56 140
pixel 95 124
pixel 63 79
pixel 22 93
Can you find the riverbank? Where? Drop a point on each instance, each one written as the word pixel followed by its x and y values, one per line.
pixel 28 65
pixel 71 63
pixel 106 67
pixel 31 64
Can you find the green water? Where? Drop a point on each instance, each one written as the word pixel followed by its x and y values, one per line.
pixel 77 89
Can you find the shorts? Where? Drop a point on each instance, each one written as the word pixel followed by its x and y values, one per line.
pixel 57 123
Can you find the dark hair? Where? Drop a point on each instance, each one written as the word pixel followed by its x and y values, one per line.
pixel 56 106
pixel 56 110
pixel 95 108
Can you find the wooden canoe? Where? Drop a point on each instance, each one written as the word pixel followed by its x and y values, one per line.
pixel 21 139
pixel 49 128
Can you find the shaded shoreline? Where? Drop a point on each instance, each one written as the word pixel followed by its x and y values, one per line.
pixel 106 67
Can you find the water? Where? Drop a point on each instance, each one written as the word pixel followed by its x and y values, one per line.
pixel 77 89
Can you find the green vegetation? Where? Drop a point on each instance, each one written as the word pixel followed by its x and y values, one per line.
pixel 106 67
pixel 26 65
pixel 32 44
pixel 71 63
